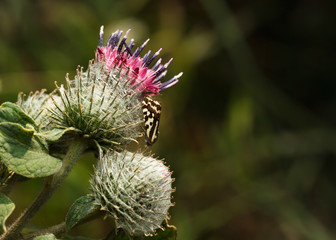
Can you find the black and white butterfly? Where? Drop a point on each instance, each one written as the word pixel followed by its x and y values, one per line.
pixel 151 110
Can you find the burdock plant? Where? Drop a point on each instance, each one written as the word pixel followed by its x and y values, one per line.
pixel 102 109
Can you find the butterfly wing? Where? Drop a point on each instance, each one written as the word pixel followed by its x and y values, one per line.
pixel 151 109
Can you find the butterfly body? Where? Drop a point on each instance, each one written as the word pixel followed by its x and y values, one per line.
pixel 151 110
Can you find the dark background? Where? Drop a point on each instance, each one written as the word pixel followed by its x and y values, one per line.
pixel 248 131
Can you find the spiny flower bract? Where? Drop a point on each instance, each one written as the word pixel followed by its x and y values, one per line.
pixel 134 189
pixel 36 104
pixel 100 104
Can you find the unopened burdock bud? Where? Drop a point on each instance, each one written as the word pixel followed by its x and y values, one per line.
pixel 100 105
pixel 133 189
pixel 35 104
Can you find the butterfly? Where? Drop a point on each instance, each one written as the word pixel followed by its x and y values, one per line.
pixel 151 110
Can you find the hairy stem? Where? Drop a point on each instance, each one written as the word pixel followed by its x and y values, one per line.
pixel 56 230
pixel 75 150
pixel 61 227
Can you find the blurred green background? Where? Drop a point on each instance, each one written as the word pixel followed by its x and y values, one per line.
pixel 248 131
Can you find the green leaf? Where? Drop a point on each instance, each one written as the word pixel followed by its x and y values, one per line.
pixel 6 208
pixel 24 153
pixel 46 237
pixel 55 134
pixel 10 112
pixel 80 209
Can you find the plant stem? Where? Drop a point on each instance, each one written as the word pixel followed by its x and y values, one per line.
pixel 51 183
pixel 56 230
pixel 61 227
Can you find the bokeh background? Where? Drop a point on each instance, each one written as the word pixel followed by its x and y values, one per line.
pixel 249 131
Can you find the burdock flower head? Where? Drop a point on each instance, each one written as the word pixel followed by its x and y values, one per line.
pixel 137 70
pixel 134 189
pixel 104 102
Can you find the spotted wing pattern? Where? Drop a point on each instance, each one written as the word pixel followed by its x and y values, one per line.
pixel 151 109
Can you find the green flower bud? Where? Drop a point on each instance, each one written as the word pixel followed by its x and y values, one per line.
pixel 35 105
pixel 134 189
pixel 100 104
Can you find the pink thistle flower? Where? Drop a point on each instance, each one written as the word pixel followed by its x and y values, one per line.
pixel 119 54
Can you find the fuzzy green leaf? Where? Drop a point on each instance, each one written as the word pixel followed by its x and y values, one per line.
pixel 46 237
pixel 24 153
pixel 80 209
pixel 10 112
pixel 6 208
pixel 55 134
